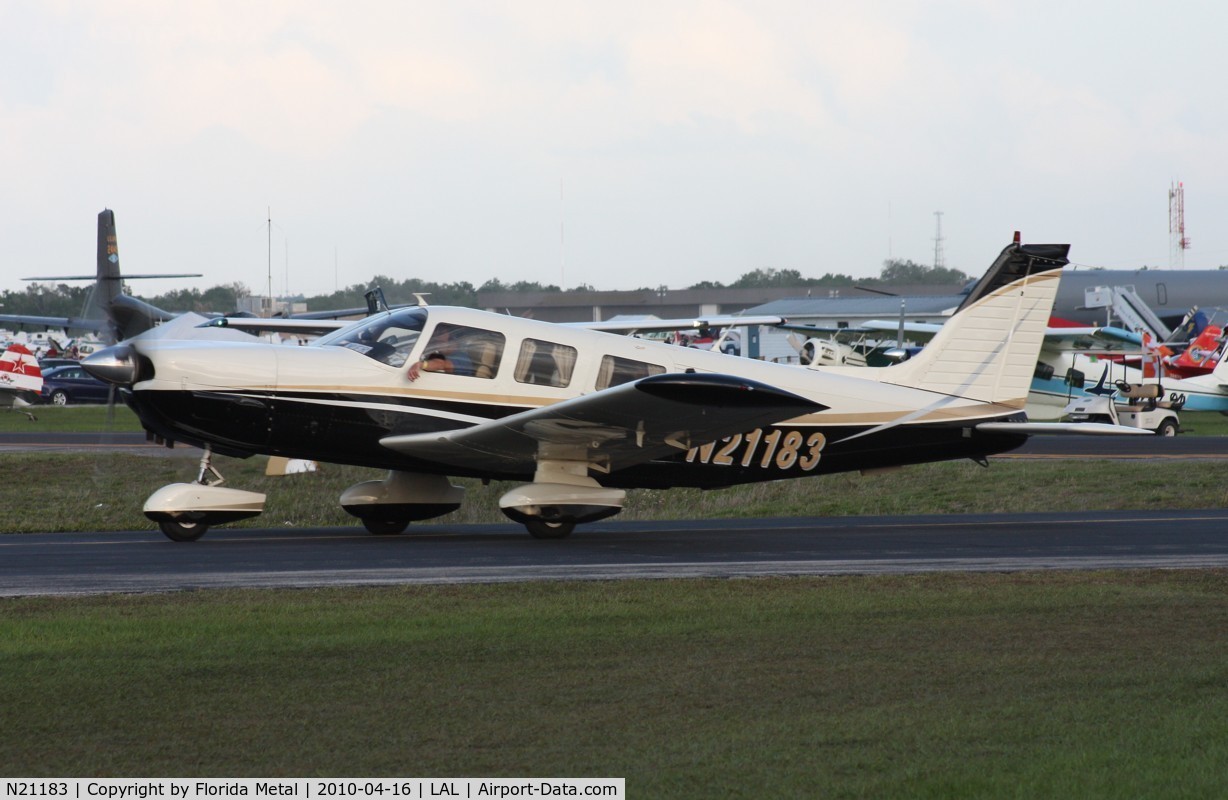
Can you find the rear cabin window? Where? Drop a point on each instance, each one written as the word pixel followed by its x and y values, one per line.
pixel 615 370
pixel 472 351
pixel 545 363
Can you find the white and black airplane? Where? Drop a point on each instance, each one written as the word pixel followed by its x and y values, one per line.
pixel 576 416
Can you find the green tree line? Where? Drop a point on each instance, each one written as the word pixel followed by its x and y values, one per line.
pixel 63 300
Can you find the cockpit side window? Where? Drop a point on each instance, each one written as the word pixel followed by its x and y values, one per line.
pixel 387 338
pixel 474 352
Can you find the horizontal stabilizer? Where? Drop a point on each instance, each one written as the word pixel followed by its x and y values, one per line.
pixel 116 277
pixel 1063 429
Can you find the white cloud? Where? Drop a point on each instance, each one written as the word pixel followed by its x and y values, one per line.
pixel 692 137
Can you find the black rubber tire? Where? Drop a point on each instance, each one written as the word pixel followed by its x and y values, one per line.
pixel 182 531
pixel 541 529
pixel 385 527
pixel 1167 428
pixel 59 398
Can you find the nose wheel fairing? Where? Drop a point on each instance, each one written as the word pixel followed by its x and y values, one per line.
pixel 202 505
pixel 184 511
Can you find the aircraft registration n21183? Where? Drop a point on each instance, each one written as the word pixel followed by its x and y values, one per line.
pixel 575 417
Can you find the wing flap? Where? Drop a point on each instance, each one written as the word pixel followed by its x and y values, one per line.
pixel 613 429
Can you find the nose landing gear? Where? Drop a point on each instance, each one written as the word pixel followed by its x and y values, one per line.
pixel 184 511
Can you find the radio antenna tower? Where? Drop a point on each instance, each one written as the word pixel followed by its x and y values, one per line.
pixel 1178 241
pixel 940 256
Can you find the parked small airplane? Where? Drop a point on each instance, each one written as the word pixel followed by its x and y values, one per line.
pixel 1062 375
pixel 576 416
pixel 21 379
pixel 1203 349
pixel 117 316
pixel 112 314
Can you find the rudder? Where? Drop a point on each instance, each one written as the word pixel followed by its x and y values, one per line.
pixel 987 350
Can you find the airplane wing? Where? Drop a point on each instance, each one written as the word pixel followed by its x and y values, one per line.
pixel 637 325
pixel 303 327
pixel 1091 338
pixel 917 331
pixel 616 428
pixel 30 319
pixel 1067 338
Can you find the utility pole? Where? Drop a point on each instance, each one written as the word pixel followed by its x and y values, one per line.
pixel 940 256
pixel 269 310
pixel 562 241
pixel 1178 241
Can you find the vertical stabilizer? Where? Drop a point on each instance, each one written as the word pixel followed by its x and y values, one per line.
pixel 109 284
pixel 19 370
pixel 987 350
pixel 110 312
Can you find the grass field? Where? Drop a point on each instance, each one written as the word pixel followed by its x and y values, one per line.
pixel 1066 684
pixel 72 419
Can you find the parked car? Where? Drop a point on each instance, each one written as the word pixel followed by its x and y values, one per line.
pixel 51 362
pixel 72 384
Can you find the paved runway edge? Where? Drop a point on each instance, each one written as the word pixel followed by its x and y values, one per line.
pixel 142 584
pixel 143 562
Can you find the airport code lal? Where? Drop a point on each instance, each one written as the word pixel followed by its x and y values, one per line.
pixel 381 789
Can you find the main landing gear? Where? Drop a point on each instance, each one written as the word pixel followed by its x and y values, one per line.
pixel 389 505
pixel 184 511
pixel 561 496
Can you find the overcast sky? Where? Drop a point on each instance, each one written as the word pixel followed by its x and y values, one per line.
pixel 620 145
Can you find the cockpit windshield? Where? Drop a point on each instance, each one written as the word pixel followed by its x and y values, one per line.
pixel 388 338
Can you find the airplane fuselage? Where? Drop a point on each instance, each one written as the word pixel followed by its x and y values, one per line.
pixel 335 402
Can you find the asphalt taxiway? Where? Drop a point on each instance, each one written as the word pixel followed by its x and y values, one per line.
pixel 145 561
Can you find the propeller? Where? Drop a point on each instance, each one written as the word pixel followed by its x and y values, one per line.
pixel 118 365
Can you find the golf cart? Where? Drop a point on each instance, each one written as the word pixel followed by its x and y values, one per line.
pixel 1144 407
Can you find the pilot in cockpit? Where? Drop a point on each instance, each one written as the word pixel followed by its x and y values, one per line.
pixel 443 354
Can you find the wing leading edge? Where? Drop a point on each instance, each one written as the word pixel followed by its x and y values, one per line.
pixel 615 428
